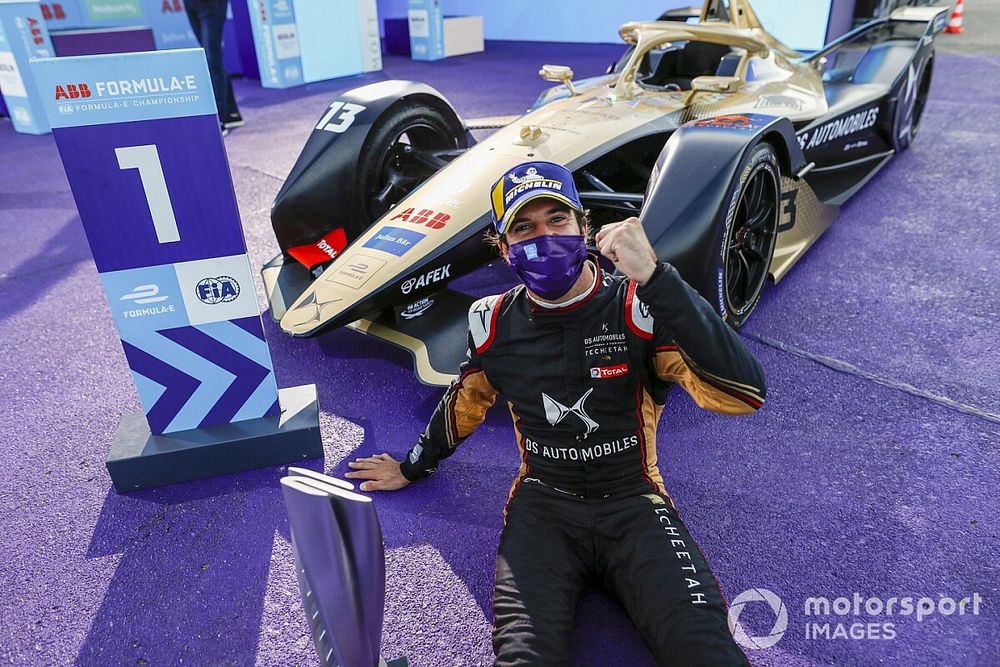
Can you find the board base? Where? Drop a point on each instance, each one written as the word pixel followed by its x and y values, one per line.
pixel 141 460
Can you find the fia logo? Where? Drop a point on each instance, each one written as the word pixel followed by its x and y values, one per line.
pixel 222 289
pixel 555 411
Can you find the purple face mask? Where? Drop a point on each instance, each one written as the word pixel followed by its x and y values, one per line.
pixel 549 265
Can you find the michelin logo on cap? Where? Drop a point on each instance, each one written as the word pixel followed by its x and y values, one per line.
pixel 529 181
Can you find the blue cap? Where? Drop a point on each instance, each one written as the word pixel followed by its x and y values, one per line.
pixel 527 181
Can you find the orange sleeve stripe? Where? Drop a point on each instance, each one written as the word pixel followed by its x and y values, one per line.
pixel 743 389
pixel 670 367
pixel 472 397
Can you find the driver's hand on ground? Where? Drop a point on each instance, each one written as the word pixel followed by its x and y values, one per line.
pixel 625 244
pixel 382 471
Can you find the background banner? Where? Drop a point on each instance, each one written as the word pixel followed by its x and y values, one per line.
pixel 23 36
pixel 139 138
pixel 426 21
pixel 167 19
pixel 302 41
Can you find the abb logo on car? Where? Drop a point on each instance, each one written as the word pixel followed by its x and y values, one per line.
pixel 72 91
pixel 604 372
pixel 424 216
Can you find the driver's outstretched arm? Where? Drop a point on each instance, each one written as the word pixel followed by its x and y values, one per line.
pixel 460 412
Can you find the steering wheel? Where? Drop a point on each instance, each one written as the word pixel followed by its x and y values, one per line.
pixel 672 88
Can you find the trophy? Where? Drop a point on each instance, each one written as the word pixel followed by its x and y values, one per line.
pixel 340 566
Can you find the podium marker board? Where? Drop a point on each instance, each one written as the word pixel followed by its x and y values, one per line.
pixel 302 41
pixel 23 36
pixel 139 138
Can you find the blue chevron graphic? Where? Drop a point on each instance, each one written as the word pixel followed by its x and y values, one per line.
pixel 196 376
pixel 246 336
pixel 178 387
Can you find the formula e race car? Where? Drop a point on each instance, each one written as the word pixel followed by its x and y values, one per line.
pixel 734 151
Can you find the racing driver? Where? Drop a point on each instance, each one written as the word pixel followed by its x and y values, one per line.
pixel 586 359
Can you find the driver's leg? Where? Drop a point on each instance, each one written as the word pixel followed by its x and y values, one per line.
pixel 540 574
pixel 652 564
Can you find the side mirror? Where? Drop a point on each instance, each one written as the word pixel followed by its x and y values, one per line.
pixel 715 84
pixel 560 73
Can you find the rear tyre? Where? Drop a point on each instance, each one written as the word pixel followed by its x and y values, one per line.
pixel 749 236
pixel 911 102
pixel 390 165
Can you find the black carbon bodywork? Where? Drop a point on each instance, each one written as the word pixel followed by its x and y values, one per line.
pixel 320 192
pixel 686 202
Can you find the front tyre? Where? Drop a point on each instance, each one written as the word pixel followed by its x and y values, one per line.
pixel 397 155
pixel 750 232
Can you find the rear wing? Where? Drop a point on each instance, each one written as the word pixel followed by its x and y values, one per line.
pixel 935 16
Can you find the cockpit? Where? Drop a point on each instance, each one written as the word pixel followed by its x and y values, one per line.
pixel 674 65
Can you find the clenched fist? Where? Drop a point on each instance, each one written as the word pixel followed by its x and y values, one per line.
pixel 625 244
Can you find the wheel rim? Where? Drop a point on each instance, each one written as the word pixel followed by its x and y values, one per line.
pixel 751 238
pixel 399 172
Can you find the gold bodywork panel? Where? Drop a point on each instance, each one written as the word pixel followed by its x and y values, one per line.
pixel 803 219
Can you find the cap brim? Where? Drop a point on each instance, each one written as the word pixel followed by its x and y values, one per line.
pixel 531 196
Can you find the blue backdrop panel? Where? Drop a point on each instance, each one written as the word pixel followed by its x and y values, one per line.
pixel 301 41
pixel 23 36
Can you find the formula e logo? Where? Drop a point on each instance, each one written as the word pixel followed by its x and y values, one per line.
pixel 222 289
pixel 144 294
pixel 72 91
pixel 555 411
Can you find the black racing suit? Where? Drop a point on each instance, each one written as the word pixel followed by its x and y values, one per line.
pixel 585 385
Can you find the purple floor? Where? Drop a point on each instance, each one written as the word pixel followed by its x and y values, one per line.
pixel 873 468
